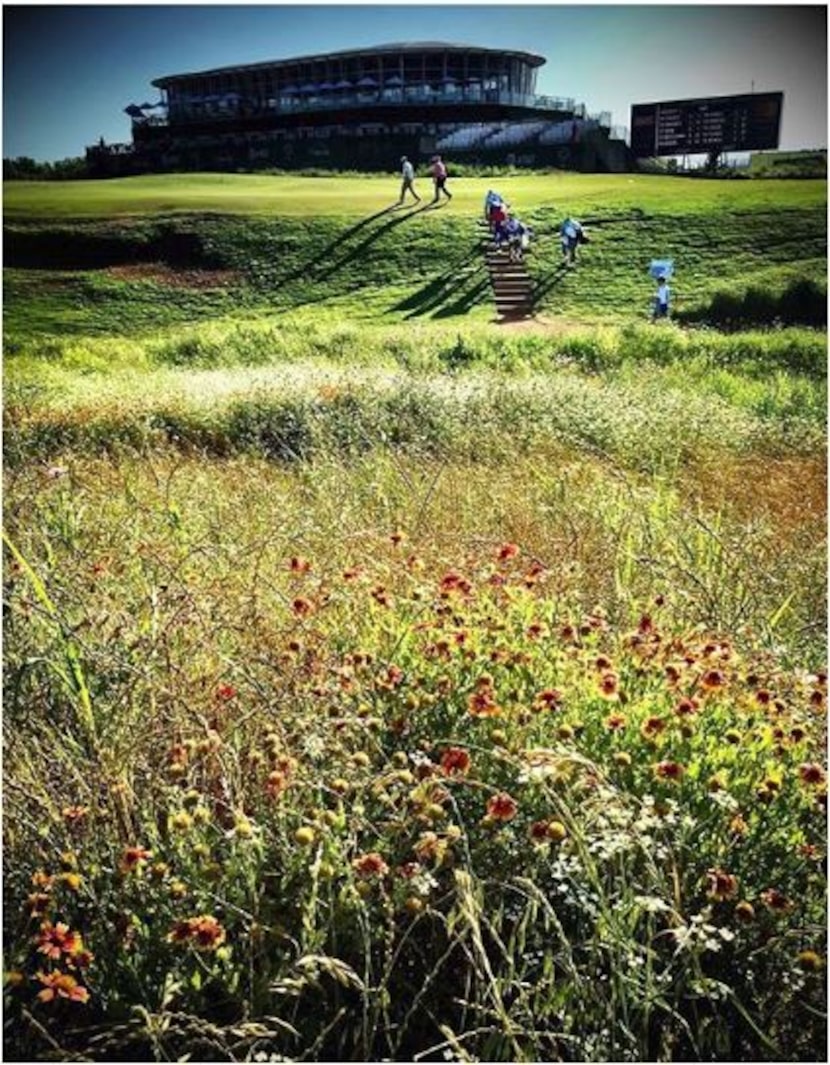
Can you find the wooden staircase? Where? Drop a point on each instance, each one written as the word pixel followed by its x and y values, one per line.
pixel 512 286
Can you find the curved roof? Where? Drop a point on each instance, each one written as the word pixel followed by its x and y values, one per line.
pixel 406 46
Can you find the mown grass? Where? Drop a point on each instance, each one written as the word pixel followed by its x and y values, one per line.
pixel 341 195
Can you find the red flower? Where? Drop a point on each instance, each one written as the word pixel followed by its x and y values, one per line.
pixel 608 685
pixel 454 582
pixel 669 770
pixel 225 692
pixel 713 679
pixel 369 865
pixel 550 699
pixel 204 932
pixel 302 607
pixel 298 564
pixel 652 726
pixel 482 704
pixel 686 707
pixel 775 901
pixel 54 940
pixel 615 722
pixel 502 807
pixel 61 985
pixel 721 885
pixel 507 552
pixel 455 760
pixel 133 857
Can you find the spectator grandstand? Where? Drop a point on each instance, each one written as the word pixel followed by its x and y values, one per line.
pixel 354 109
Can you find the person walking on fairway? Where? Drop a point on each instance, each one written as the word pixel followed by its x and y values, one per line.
pixel 439 177
pixel 408 175
pixel 661 300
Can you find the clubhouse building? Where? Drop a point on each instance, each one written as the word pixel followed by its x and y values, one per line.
pixel 362 110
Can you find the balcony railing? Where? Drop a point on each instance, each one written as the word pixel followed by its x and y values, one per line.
pixel 218 110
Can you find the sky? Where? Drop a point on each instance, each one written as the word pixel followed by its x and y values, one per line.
pixel 70 70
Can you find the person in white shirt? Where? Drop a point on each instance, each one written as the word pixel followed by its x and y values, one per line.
pixel 661 300
pixel 408 175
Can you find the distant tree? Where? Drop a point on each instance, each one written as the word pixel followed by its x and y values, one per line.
pixel 25 169
pixel 21 169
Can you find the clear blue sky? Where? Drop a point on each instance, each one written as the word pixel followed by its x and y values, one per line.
pixel 69 70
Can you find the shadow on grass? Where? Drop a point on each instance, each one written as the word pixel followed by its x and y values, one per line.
pixel 309 266
pixel 546 284
pixel 358 250
pixel 469 297
pixel 440 289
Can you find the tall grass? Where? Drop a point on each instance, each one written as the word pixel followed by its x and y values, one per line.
pixel 275 664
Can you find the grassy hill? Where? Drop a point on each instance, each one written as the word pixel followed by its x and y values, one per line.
pixel 271 244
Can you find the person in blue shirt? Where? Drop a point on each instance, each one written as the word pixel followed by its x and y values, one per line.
pixel 518 238
pixel 571 235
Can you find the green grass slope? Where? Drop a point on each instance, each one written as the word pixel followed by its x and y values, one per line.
pixel 263 245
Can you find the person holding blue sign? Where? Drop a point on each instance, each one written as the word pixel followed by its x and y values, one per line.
pixel 661 300
pixel 661 270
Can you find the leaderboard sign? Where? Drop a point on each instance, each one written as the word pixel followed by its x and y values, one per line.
pixel 716 123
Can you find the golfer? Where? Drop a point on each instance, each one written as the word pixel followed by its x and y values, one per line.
pixel 439 177
pixel 408 175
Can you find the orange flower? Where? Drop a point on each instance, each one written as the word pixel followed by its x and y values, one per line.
pixel 298 564
pixel 608 685
pixel 721 885
pixel 615 722
pixel 549 699
pixel 61 985
pixel 745 911
pixel 455 760
pixel 369 865
pixel 54 940
pixel 302 607
pixel 73 814
pixel 507 552
pixel 276 783
pixel 133 857
pixel 482 704
pixel 204 932
pixel 502 807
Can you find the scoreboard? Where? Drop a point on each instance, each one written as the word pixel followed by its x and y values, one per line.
pixel 710 124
